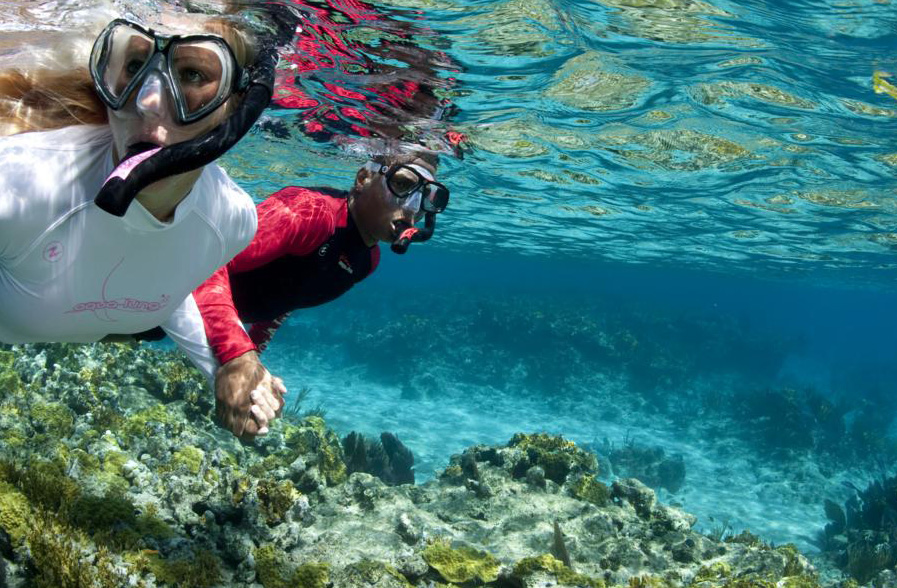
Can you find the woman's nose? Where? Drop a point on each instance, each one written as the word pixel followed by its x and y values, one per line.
pixel 151 97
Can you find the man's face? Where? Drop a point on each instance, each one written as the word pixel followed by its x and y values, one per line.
pixel 378 212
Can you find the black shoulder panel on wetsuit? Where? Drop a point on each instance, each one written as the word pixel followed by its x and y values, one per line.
pixel 294 281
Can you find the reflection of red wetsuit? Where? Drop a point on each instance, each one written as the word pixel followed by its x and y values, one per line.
pixel 322 51
pixel 307 251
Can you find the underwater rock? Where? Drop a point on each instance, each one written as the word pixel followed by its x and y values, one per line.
pixel 650 465
pixel 635 493
pixel 860 537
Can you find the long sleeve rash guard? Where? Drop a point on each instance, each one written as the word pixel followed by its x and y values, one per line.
pixel 71 272
pixel 307 251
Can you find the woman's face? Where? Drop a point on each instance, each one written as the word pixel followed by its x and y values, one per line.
pixel 149 118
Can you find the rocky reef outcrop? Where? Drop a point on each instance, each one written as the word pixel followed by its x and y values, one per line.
pixel 113 474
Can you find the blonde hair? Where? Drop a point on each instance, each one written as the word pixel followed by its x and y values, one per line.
pixel 41 97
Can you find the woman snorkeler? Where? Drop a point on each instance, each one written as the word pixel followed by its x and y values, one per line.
pixel 111 208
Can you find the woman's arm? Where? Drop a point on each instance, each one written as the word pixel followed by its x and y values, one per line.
pixel 185 327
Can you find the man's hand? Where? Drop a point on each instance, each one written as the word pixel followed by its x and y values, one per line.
pixel 247 396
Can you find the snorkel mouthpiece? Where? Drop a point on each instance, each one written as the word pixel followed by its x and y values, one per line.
pixel 411 234
pixel 136 172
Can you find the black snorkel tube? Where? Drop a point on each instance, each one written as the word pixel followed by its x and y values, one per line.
pixel 125 182
pixel 120 189
pixel 411 234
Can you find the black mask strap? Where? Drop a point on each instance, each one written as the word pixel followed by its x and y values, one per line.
pixel 120 190
pixel 414 235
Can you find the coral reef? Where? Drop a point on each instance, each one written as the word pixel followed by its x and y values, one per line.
pixel 387 459
pixel 860 537
pixel 650 465
pixel 148 491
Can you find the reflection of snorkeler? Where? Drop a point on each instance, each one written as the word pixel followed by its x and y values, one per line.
pixel 882 86
pixel 385 99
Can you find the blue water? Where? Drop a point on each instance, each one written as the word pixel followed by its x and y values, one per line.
pixel 658 166
pixel 712 182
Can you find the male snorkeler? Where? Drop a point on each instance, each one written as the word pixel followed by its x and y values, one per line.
pixel 312 246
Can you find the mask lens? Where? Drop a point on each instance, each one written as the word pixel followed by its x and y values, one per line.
pixel 125 56
pixel 202 72
pixel 436 199
pixel 404 181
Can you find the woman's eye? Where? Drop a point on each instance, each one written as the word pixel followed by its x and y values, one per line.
pixel 133 66
pixel 192 76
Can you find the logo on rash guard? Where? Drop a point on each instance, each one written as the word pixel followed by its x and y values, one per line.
pixel 53 252
pixel 124 304
pixel 344 263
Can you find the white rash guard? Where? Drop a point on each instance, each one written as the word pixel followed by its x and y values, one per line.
pixel 70 271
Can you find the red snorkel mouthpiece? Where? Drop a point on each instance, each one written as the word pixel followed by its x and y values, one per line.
pixel 411 234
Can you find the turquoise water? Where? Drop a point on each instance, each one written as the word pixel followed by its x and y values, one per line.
pixel 714 179
pixel 732 137
pixel 674 226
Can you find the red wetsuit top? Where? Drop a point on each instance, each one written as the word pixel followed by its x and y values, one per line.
pixel 307 251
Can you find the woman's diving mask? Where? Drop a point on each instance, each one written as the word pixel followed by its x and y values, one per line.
pixel 200 71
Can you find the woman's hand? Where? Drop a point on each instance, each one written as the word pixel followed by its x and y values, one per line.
pixel 247 396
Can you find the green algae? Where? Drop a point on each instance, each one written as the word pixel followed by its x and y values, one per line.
pixel 313 436
pixel 59 558
pixel 647 581
pixel 53 418
pixel 554 454
pixel 461 565
pixel 273 570
pixel 589 489
pixel 454 474
pixel 311 575
pixel 202 570
pixel 793 566
pixel 10 382
pixel 714 572
pixel 548 563
pixel 43 483
pixel 15 512
pixel 370 572
pixel 139 423
pixel 276 499
pixel 189 458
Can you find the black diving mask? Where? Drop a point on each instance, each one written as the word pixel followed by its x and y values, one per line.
pixel 410 181
pixel 200 71
pixel 254 83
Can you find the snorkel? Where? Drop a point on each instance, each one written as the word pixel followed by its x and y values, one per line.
pixel 410 234
pixel 138 170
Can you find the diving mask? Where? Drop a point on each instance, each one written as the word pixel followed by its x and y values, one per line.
pixel 200 71
pixel 415 188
